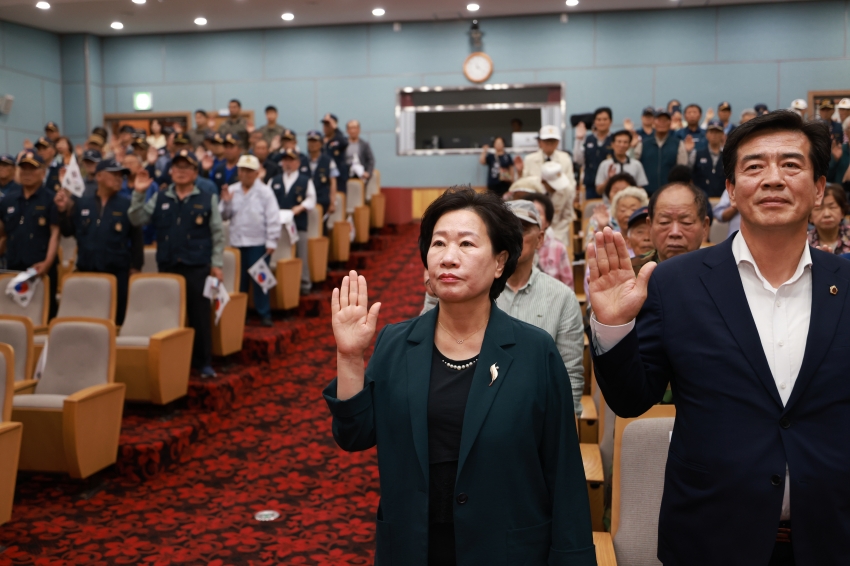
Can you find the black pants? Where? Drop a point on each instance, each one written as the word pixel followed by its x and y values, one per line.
pixel 123 277
pixel 197 309
pixel 783 550
pixel 53 273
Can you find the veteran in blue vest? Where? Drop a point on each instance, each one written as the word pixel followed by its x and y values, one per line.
pixel 660 153
pixel 226 172
pixel 296 194
pixel 336 145
pixel 591 150
pixel 324 172
pixel 708 172
pixel 107 242
pixel 189 242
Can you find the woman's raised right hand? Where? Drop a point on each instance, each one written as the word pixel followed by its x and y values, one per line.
pixel 353 324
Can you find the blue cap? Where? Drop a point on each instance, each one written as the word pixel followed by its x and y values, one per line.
pixel 328 117
pixel 761 108
pixel 92 155
pixel 661 112
pixel 111 166
pixel 43 142
pixel 289 154
pixel 648 111
pixel 51 127
pixel 314 135
pixel 7 159
pixel 31 157
pixel 715 124
pixel 638 215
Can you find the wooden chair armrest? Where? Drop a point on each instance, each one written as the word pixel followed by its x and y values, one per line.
pixel 588 409
pixel 8 427
pixel 605 555
pixel 94 392
pixel 591 458
pixel 91 427
pixel 40 329
pixel 171 333
pixel 25 386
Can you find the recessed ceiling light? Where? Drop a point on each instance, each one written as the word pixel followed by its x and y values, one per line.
pixel 472 7
pixel 200 21
pixel 43 6
pixel 572 2
pixel 117 25
pixel 288 16
pixel 139 1
pixel 378 12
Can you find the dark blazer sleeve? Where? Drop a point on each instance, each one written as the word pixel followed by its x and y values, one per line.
pixel 572 538
pixel 367 158
pixel 354 418
pixel 634 375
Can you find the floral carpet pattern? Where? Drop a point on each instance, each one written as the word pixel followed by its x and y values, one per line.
pixel 270 450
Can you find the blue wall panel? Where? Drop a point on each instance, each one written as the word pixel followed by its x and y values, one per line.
pixel 32 51
pixel 316 52
pixel 134 60
pixel 214 57
pixel 73 58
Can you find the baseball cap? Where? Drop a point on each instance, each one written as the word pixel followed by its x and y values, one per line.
pixel 287 135
pixel 111 166
pixel 799 104
pixel 7 159
pixel 659 112
pixel 638 216
pixel 549 133
pixel 230 139
pixel 724 106
pixel 844 104
pixel 314 135
pixel 289 154
pixel 96 139
pixel 187 156
pixel 51 127
pixel 30 157
pixel 215 138
pixel 127 129
pixel 761 108
pixel 43 142
pixel 714 124
pixel 826 105
pixel 648 111
pixel 525 211
pixel 181 139
pixel 249 162
pixel 553 174
pixel 92 155
pixel 330 117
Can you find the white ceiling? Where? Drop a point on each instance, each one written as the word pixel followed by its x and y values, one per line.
pixel 163 16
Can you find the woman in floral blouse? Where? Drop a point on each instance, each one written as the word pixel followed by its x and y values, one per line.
pixel 831 228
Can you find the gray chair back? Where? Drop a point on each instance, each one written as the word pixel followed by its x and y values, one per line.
pixel 33 311
pixel 643 459
pixel 314 221
pixel 68 244
pixel 719 231
pixel 355 195
pixel 154 304
pixel 78 357
pixel 14 333
pixel 339 214
pixel 150 265
pixel 373 186
pixel 231 275
pixel 284 248
pixel 86 296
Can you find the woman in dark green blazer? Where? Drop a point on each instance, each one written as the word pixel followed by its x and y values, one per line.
pixel 470 408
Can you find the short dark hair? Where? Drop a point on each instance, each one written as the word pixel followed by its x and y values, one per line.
pixel 201 112
pixel 680 174
pixel 503 226
pixel 613 179
pixel 499 138
pixel 548 207
pixel 692 105
pixel 236 100
pixel 270 107
pixel 837 192
pixel 623 133
pixel 603 110
pixel 778 121
pixel 700 199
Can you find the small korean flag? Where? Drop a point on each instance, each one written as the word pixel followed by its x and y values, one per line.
pixel 23 286
pixel 262 274
pixel 221 298
pixel 73 180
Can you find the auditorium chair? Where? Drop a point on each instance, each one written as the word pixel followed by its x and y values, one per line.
pixel 373 185
pixel 90 295
pixel 154 350
pixel 227 335
pixel 340 231
pixel 594 475
pixel 377 201
pixel 287 270
pixel 318 246
pixel 10 434
pixel 640 459
pixel 356 206
pixel 66 260
pixel 150 265
pixel 16 331
pixel 38 308
pixel 72 422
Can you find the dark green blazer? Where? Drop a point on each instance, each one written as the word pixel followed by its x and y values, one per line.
pixel 521 497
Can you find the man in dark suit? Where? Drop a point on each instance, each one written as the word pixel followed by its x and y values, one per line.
pixel 751 334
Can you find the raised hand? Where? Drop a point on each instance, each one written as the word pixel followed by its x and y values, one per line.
pixel 709 114
pixel 615 293
pixel 689 143
pixel 518 164
pixel 836 150
pixel 353 324
pixel 628 125
pixel 142 182
pixel 580 131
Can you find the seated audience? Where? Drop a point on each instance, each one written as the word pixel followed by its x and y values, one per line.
pixel 500 166
pixel 619 163
pixel 830 229
pixel 226 172
pixel 623 204
pixel 553 259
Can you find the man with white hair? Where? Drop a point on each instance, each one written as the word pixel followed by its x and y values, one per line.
pixel 548 141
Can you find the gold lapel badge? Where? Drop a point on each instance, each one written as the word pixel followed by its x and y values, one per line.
pixel 494 373
pixel 833 290
pixel 199 220
pixel 117 226
pixel 42 221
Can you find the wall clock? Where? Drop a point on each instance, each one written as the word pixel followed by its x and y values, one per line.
pixel 478 67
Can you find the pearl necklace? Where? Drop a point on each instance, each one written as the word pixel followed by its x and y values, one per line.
pixel 461 366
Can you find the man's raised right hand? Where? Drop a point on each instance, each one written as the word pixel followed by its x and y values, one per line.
pixel 615 293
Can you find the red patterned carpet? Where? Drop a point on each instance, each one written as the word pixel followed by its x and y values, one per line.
pixel 191 477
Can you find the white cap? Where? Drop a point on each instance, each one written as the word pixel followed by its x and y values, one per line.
pixel 844 104
pixel 553 174
pixel 549 133
pixel 799 104
pixel 249 162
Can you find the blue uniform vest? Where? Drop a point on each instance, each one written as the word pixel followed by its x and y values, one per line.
pixel 700 140
pixel 322 180
pixel 658 161
pixel 103 236
pixel 183 234
pixel 296 195
pixel 594 154
pixel 27 223
pixel 335 148
pixel 221 176
pixel 707 176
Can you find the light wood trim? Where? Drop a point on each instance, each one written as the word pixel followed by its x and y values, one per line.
pixel 588 421
pixel 355 184
pixel 655 412
pixel 591 459
pixel 42 446
pixel 25 387
pixel 377 210
pixel 605 555
pixel 38 325
pixel 169 362
pixel 287 293
pixel 29 365
pixel 361 224
pixel 317 257
pixel 10 451
pixel 181 321
pixel 110 327
pixel 9 384
pixel 91 428
pixel 341 241
pixel 113 282
pixel 237 281
pixel 813 111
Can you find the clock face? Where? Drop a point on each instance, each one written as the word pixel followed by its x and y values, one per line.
pixel 478 67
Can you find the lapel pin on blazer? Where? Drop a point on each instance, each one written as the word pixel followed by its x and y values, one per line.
pixel 494 373
pixel 833 290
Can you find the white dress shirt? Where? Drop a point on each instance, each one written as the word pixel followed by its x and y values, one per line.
pixel 782 316
pixel 254 217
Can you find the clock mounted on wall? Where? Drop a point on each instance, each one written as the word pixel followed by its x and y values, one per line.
pixel 478 67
